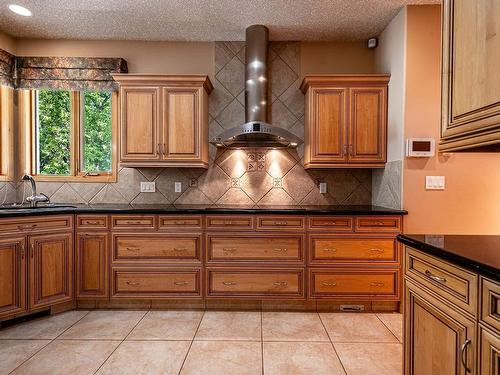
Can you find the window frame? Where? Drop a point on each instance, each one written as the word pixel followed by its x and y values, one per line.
pixel 76 142
pixel 6 133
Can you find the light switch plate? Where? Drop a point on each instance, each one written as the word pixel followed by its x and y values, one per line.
pixel 322 187
pixel 178 187
pixel 434 182
pixel 148 187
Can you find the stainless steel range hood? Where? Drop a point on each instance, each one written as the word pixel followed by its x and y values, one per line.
pixel 256 132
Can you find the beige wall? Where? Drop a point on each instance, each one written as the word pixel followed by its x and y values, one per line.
pixel 142 57
pixel 332 57
pixel 470 204
pixel 390 58
pixel 7 43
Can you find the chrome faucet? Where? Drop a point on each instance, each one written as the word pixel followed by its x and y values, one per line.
pixel 34 199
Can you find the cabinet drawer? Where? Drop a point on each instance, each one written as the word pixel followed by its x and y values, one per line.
pixel 452 283
pixel 36 224
pixel 328 249
pixel 356 283
pixel 490 303
pixel 262 248
pixel 156 248
pixel 133 222
pixel 255 283
pixel 378 224
pixel 228 222
pixel 331 223
pixel 179 222
pixel 280 222
pixel 92 222
pixel 156 282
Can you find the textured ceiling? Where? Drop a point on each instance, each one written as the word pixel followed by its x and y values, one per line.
pixel 202 20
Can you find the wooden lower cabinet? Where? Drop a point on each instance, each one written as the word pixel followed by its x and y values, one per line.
pixel 92 265
pixel 489 352
pixel 12 276
pixel 50 269
pixel 439 339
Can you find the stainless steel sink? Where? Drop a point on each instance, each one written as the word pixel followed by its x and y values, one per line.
pixel 19 206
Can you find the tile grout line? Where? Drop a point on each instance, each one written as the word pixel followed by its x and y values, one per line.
pixel 331 343
pixel 50 342
pixel 121 342
pixel 191 344
pixel 390 330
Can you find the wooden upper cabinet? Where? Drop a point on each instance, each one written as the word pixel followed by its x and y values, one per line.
pixel 140 123
pixel 346 121
pixel 164 120
pixel 12 276
pixel 470 74
pixel 50 269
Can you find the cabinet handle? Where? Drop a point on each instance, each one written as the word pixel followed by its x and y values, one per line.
pixel 26 227
pixel 228 283
pixel 180 222
pixel 281 250
pixel 133 249
pixel 351 150
pixel 331 250
pixel 377 284
pixel 325 283
pixel 431 276
pixel 22 252
pixel 180 249
pixel 32 247
pixel 229 249
pixel 280 222
pixel 92 222
pixel 280 283
pixel 463 348
pixel 376 251
pixel 344 150
pixel 132 283
pixel 228 222
pixel 180 282
pixel 331 223
pixel 134 222
pixel 164 149
pixel 158 149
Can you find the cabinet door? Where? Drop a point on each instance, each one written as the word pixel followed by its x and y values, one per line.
pixel 12 276
pixel 489 352
pixel 326 138
pixel 50 269
pixel 92 268
pixel 367 125
pixel 438 339
pixel 140 138
pixel 470 79
pixel 181 124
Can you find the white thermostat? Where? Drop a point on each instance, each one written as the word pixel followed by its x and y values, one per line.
pixel 420 147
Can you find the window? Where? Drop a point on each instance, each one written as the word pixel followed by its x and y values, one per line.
pixel 72 135
pixel 6 133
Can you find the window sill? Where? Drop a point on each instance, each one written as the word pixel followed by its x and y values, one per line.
pixel 84 179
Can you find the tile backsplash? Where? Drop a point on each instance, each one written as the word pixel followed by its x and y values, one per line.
pixel 235 177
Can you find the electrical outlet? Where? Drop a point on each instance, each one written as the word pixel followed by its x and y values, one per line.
pixel 322 187
pixel 434 182
pixel 178 187
pixel 148 187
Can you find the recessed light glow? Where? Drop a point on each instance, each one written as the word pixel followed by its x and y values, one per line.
pixel 18 9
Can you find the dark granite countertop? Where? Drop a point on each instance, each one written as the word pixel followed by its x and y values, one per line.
pixel 477 253
pixel 200 209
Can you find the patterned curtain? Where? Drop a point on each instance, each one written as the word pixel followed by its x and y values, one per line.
pixel 64 73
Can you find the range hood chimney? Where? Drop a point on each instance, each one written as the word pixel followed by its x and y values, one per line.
pixel 256 132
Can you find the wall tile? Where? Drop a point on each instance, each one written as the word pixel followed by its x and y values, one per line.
pixel 193 196
pixel 235 196
pixel 232 115
pixel 66 194
pixel 214 182
pixel 232 76
pixel 150 198
pixel 165 183
pixel 256 184
pixel 276 196
pixel 298 183
pixel 108 195
pixel 387 185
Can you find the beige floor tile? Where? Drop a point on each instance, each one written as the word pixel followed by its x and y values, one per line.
pixel 15 352
pixel 394 322
pixel 230 325
pixel 301 358
pixel 223 358
pixel 371 359
pixel 43 328
pixel 104 325
pixel 167 325
pixel 290 326
pixel 349 327
pixel 68 357
pixel 146 357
